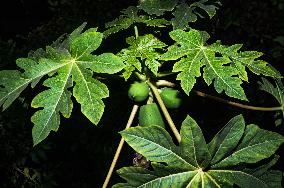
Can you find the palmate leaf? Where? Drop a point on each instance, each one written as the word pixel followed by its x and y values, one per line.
pixel 227 138
pixel 70 67
pixel 142 49
pixel 241 60
pixel 277 92
pixel 191 140
pixel 129 17
pixel 187 165
pixel 256 144
pixel 157 7
pixel 185 13
pixel 216 63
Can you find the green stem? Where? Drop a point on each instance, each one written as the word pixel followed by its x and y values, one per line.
pixel 136 32
pixel 119 148
pixel 165 111
pixel 201 94
pixel 165 83
pixel 162 74
pixel 140 76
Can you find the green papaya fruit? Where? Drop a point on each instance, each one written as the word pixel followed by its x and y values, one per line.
pixel 138 91
pixel 149 114
pixel 171 97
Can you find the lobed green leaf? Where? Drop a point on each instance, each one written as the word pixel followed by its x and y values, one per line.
pixel 66 62
pixel 157 7
pixel 193 144
pixel 191 48
pixel 86 43
pixel 55 100
pixel 276 91
pixel 170 163
pixel 256 144
pixel 142 51
pixel 155 144
pixel 227 139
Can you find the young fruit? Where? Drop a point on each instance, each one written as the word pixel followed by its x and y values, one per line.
pixel 171 97
pixel 149 114
pixel 138 91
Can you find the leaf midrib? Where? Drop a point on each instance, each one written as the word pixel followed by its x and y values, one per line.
pixel 242 149
pixel 221 144
pixel 168 176
pixel 208 61
pixel 237 171
pixel 56 104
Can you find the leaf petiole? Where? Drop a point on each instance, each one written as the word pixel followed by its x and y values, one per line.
pixel 165 111
pixel 119 148
pixel 257 108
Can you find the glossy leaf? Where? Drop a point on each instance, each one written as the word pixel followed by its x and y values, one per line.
pixel 155 144
pixel 55 100
pixel 227 139
pixel 256 144
pixel 172 168
pixel 237 177
pixel 85 43
pixel 193 144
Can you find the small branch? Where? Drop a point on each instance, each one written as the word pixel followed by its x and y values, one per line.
pixel 165 83
pixel 119 148
pixel 140 76
pixel 201 94
pixel 165 111
pixel 239 105
pixel 168 73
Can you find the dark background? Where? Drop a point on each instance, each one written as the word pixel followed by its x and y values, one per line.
pixel 79 154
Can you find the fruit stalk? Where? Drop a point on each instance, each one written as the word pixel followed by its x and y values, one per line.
pixel 165 111
pixel 119 148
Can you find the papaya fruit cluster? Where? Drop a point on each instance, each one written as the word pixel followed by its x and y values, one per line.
pixel 149 114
